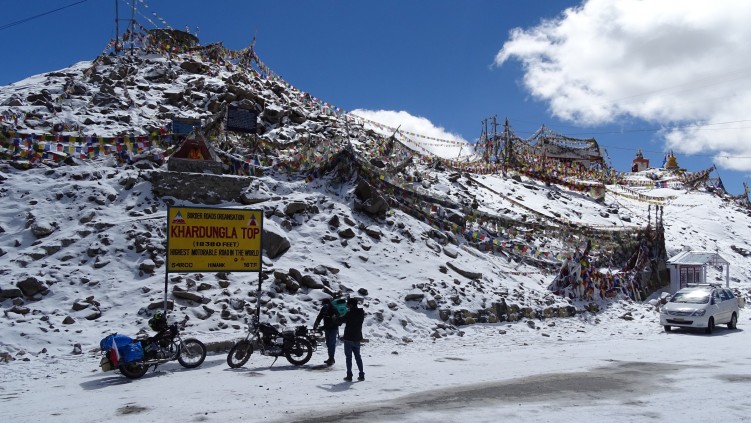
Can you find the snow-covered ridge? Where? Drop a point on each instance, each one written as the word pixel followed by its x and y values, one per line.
pixel 85 243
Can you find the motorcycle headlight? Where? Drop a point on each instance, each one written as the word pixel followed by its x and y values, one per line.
pixel 698 313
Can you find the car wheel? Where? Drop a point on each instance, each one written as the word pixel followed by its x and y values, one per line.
pixel 710 325
pixel 668 328
pixel 733 323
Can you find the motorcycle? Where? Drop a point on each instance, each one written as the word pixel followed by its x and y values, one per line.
pixel 314 336
pixel 269 341
pixel 133 357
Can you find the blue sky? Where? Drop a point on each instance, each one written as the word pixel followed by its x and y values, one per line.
pixel 657 77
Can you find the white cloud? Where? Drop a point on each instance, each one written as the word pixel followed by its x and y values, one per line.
pixel 664 62
pixel 434 139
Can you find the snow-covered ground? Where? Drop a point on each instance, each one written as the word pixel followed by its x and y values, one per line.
pixel 598 368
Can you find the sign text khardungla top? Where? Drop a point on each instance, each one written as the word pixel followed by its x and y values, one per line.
pixel 205 239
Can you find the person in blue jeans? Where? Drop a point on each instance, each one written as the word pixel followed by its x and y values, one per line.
pixel 352 337
pixel 328 315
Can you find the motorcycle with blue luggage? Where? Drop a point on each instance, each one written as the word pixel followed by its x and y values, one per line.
pixel 133 357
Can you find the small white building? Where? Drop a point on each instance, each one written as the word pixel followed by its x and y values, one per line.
pixel 691 267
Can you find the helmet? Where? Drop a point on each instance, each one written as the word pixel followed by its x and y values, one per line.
pixel 158 321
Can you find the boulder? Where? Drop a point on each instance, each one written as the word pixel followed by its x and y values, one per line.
pixel 291 285
pixel 31 286
pixel 272 114
pixel 370 200
pixel 19 310
pixel 311 282
pixel 43 229
pixel 249 198
pixel 10 293
pixel 294 208
pixel 194 67
pixel 320 270
pixel 455 217
pixel 334 221
pixel 275 244
pixel 80 305
pixel 190 296
pixel 466 273
pixel 373 231
pixel 295 274
pixel 147 266
pixel 94 314
pixel 451 251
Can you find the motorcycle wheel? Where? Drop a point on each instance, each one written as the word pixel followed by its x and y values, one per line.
pixel 192 353
pixel 239 354
pixel 300 353
pixel 133 370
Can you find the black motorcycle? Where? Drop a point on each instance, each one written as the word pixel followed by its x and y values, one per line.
pixel 166 345
pixel 269 341
pixel 314 336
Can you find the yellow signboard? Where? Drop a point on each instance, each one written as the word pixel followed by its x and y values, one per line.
pixel 201 239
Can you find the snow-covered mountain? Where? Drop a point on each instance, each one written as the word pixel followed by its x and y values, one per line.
pixel 428 247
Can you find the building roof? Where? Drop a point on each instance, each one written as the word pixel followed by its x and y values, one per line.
pixel 697 258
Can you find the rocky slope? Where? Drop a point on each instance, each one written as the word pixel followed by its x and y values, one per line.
pixel 82 244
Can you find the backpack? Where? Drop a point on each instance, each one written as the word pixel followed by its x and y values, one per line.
pixel 340 305
pixel 158 322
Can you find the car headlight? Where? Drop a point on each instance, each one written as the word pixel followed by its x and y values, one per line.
pixel 699 313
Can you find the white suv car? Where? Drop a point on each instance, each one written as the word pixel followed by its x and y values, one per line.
pixel 701 306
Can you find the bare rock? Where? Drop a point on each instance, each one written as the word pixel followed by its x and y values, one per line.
pixel 418 296
pixel 334 221
pixel 320 270
pixel 43 229
pixel 311 282
pixel 295 274
pixel 295 207
pixel 373 231
pixel 147 266
pixel 17 309
pixel 10 293
pixel 274 244
pixel 451 251
pixel 79 305
pixel 466 273
pixel 370 200
pixel 31 286
pixel 190 296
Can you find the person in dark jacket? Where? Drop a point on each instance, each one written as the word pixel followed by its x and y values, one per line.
pixel 328 315
pixel 352 337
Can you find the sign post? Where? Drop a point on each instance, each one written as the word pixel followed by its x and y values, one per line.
pixel 203 239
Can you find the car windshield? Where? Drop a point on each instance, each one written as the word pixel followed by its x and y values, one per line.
pixel 691 297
